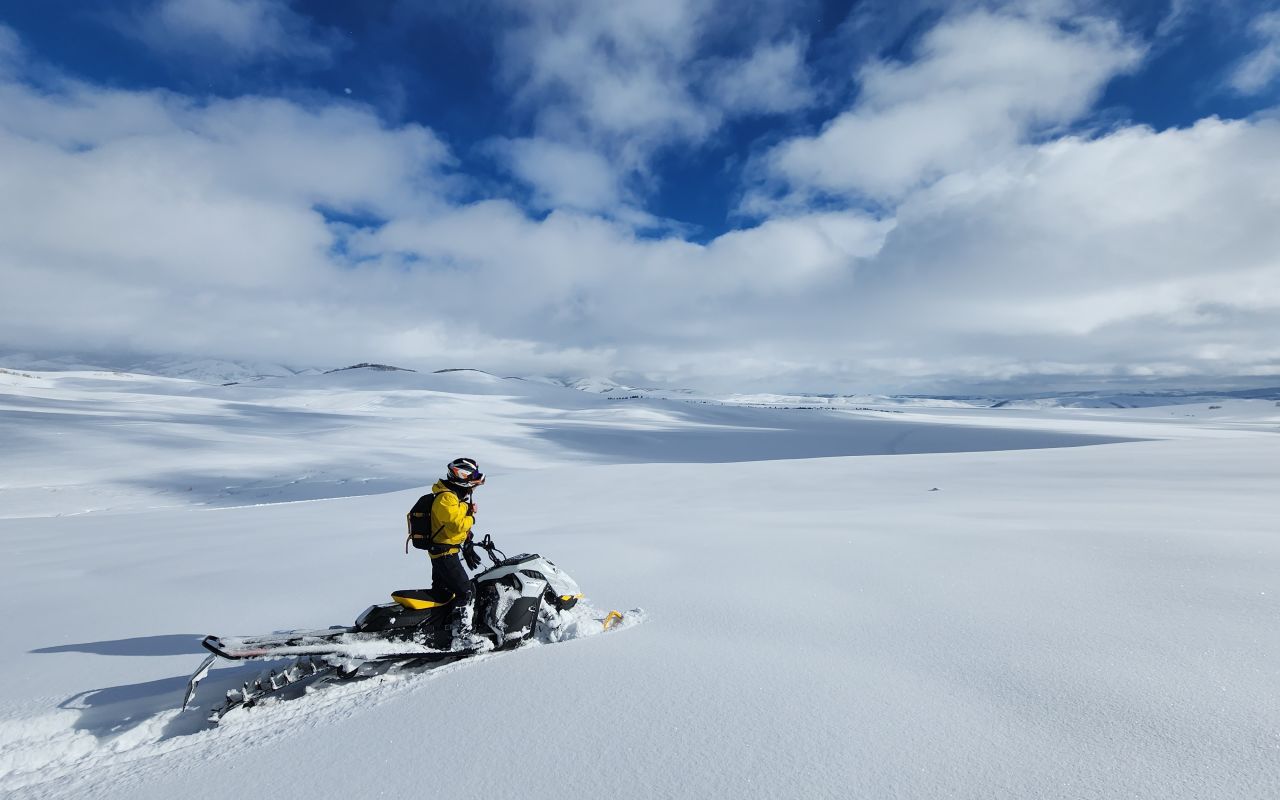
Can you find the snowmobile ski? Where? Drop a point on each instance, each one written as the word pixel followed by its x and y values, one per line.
pixel 242 647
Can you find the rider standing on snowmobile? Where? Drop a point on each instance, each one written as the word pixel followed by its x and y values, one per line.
pixel 451 512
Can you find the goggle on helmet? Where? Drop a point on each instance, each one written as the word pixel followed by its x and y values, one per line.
pixel 464 472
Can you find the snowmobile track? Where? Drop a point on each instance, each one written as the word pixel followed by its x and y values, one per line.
pixel 312 670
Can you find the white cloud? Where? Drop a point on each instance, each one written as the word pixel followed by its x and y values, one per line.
pixel 337 155
pixel 624 81
pixel 794 256
pixel 981 84
pixel 573 278
pixel 1134 250
pixel 614 70
pixel 771 79
pixel 1260 68
pixel 232 30
pixel 151 222
pixel 562 175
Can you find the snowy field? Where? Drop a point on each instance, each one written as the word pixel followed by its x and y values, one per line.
pixel 895 603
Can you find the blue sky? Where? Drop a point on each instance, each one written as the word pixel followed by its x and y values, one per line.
pixel 826 196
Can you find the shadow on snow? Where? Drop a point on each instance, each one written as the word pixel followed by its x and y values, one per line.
pixel 173 644
pixel 114 710
pixel 718 434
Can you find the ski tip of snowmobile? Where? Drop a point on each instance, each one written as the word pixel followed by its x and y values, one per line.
pixel 195 679
pixel 215 645
pixel 611 619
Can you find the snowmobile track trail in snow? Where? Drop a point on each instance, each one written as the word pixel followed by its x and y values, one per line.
pixel 45 757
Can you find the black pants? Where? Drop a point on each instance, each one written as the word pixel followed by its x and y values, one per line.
pixel 447 572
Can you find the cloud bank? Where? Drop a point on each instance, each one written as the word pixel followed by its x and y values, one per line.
pixel 959 222
pixel 980 85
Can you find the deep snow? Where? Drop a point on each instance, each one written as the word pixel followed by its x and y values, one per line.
pixel 1066 621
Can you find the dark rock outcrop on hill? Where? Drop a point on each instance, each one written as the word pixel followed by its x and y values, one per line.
pixel 374 367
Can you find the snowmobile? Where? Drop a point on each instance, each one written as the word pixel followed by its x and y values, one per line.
pixel 514 599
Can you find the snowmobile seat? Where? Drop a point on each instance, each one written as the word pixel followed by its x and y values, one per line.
pixel 419 599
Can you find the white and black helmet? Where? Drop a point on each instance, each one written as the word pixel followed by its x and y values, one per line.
pixel 464 472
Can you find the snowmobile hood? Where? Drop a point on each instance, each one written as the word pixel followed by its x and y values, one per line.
pixel 559 581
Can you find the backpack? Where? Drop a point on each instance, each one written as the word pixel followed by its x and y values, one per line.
pixel 419 519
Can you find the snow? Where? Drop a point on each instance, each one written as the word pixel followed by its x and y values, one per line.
pixel 1085 608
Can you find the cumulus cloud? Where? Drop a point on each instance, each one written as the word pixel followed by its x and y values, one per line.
pixel 582 275
pixel 1261 67
pixel 624 81
pixel 610 71
pixel 1139 252
pixel 563 176
pixel 239 31
pixel 978 86
pixel 141 217
pixel 316 233
pixel 771 79
pixel 148 221
pixel 335 155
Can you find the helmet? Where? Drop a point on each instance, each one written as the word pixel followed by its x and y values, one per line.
pixel 464 472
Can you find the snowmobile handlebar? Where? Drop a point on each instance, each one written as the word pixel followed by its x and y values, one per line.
pixel 490 548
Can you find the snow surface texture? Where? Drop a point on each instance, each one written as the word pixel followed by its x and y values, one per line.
pixel 1059 622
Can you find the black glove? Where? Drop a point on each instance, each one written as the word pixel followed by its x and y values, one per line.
pixel 469 554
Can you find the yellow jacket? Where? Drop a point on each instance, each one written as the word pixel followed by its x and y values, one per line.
pixel 450 522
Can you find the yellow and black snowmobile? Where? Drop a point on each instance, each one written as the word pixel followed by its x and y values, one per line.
pixel 514 599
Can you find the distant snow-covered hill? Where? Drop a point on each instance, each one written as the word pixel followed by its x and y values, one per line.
pixel 1030 400
pixel 1114 399
pixel 611 388
pixel 369 366
pixel 223 371
pixel 203 370
pixel 212 370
